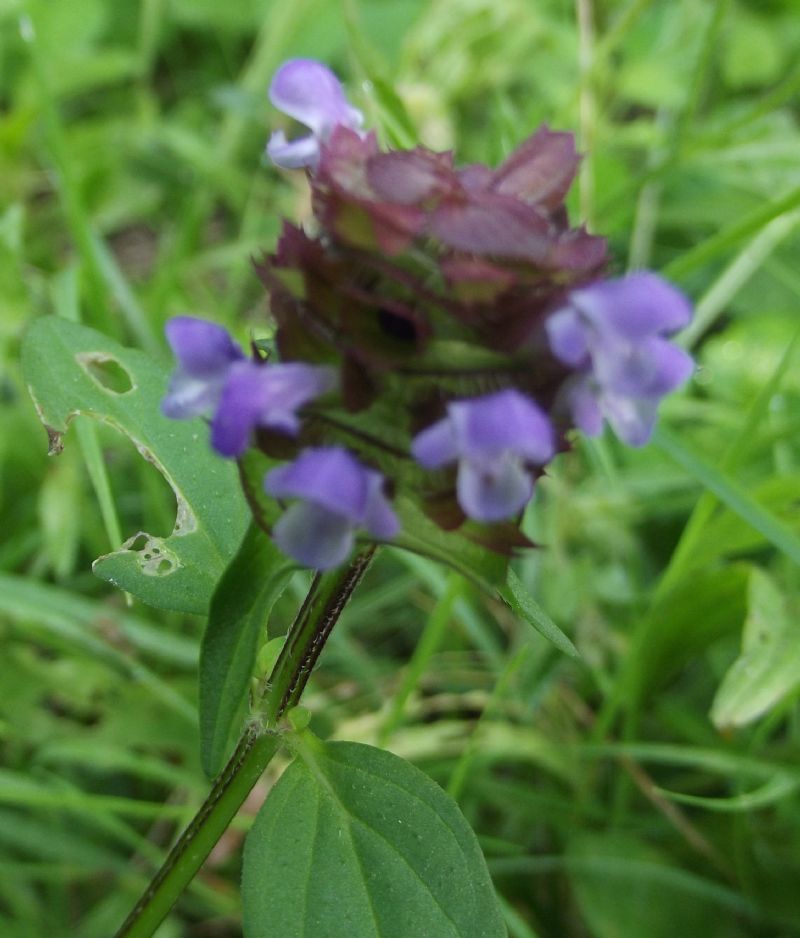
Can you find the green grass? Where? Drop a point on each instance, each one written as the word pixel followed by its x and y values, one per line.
pixel 608 803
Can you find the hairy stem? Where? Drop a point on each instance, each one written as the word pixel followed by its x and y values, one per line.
pixel 326 599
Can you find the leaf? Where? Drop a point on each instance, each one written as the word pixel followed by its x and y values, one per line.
pixel 771 792
pixel 486 568
pixel 241 604
pixel 353 842
pixel 737 499
pixel 526 607
pixel 620 882
pixel 768 667
pixel 74 371
pixel 699 609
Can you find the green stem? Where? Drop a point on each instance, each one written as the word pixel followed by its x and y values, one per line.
pixel 326 599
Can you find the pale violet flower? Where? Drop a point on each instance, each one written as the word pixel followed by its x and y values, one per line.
pixel 335 496
pixel 257 394
pixel 309 92
pixel 494 439
pixel 614 332
pixel 205 353
pixel 214 379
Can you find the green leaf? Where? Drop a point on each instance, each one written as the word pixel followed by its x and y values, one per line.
pixel 770 793
pixel 621 882
pixel 526 607
pixel 353 842
pixel 768 667
pixel 486 568
pixel 241 604
pixel 698 610
pixel 74 371
pixel 738 500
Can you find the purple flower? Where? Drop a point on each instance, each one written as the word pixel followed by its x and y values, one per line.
pixel 614 332
pixel 214 379
pixel 256 394
pixel 310 93
pixel 205 354
pixel 336 495
pixel 494 439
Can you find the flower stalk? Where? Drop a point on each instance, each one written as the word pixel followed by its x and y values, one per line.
pixel 326 599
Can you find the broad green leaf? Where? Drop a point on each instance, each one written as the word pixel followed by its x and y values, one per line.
pixel 241 604
pixel 768 667
pixel 353 842
pixel 74 371
pixel 526 607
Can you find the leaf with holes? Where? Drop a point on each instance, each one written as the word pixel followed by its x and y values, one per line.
pixel 353 842
pixel 73 371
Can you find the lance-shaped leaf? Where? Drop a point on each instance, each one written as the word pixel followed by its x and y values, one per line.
pixel 241 604
pixel 768 667
pixel 74 371
pixel 355 842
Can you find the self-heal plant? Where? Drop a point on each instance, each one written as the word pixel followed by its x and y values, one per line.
pixel 440 332
pixel 445 325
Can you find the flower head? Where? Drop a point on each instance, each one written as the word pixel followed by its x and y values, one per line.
pixel 614 332
pixel 310 93
pixel 494 439
pixel 336 495
pixel 205 354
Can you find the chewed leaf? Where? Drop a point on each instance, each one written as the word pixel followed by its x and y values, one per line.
pixel 74 371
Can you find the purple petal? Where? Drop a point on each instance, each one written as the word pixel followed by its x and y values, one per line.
pixel 203 349
pixel 260 395
pixel 491 491
pixel 327 476
pixel 567 335
pixel 634 307
pixel 632 419
pixel 436 445
pixel 293 154
pixel 314 536
pixel 585 408
pixel 650 368
pixel 507 420
pixel 379 517
pixel 309 92
pixel 191 397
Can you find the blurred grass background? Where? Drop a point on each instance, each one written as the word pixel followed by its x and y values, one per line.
pixel 648 788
